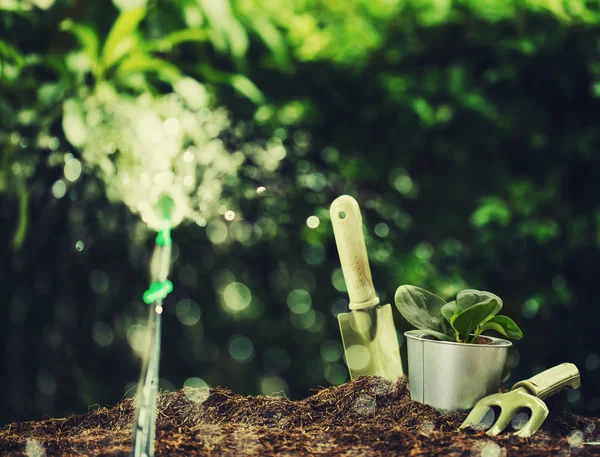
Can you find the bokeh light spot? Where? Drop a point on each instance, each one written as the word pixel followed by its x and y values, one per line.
pixel 59 189
pixel 424 250
pixel 336 374
pixel 299 301
pixel 358 357
pixel 313 222
pixel 46 382
pixel 592 361
pixel 236 296
pixel 137 337
pixel 331 350
pixel 196 390
pixel 313 253
pixel 337 279
pixel 403 184
pixel 216 232
pixel 98 281
pixel 102 334
pixel 187 311
pixel 530 308
pixel 382 230
pixel 273 386
pixel 519 420
pixel 573 396
pixel 72 170
pixel 240 348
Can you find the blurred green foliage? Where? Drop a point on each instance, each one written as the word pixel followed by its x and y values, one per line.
pixel 467 130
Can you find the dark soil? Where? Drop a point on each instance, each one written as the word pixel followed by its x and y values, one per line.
pixel 366 417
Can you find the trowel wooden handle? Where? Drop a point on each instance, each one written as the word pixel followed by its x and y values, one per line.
pixel 350 240
pixel 552 380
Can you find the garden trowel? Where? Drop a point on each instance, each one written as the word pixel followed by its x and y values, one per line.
pixel 368 332
pixel 525 394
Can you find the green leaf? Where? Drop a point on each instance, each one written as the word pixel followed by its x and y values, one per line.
pixel 226 31
pixel 468 320
pixel 87 38
pixel 23 219
pixel 469 297
pixel 10 53
pixel 491 210
pixel 422 309
pixel 121 38
pixel 143 63
pixel 503 325
pixel 239 82
pixel 247 88
pixel 168 42
pixel 271 37
pixel 450 309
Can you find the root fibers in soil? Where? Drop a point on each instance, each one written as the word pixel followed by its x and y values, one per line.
pixel 366 417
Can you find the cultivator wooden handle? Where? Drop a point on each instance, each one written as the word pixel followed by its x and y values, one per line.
pixel 552 380
pixel 347 228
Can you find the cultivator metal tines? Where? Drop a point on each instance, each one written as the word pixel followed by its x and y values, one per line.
pixel 147 391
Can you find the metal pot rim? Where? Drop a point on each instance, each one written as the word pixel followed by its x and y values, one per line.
pixel 496 342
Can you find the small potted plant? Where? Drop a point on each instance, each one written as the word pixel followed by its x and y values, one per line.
pixel 450 364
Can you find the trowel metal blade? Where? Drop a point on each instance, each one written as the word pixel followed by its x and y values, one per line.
pixel 371 343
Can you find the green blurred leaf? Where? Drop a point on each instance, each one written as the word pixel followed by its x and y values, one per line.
pixel 239 82
pixel 543 231
pixel 491 210
pixel 272 38
pixel 168 42
pixel 10 53
pixel 227 34
pixel 121 38
pixel 143 63
pixel 87 38
pixel 22 222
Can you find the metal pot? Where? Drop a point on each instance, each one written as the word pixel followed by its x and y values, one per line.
pixel 453 376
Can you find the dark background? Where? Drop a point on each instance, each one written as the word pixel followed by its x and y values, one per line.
pixel 471 135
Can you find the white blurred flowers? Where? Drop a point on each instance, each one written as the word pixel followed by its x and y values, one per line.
pixel 151 146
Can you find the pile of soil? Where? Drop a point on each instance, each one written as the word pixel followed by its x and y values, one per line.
pixel 366 417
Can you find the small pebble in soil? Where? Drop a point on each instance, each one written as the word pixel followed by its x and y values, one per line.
pixel 381 386
pixel 427 428
pixel 365 405
pixel 34 449
pixel 575 440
